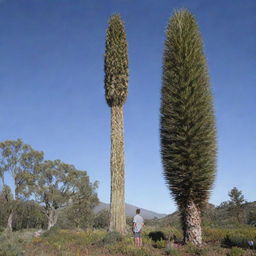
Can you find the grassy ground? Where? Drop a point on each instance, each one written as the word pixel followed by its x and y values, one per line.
pixel 217 242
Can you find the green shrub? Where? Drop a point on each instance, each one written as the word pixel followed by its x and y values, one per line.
pixel 172 252
pixel 2 229
pixel 235 251
pixel 214 234
pixel 66 240
pixel 160 244
pixel 157 236
pixel 101 220
pixel 196 250
pixel 126 247
pixel 52 232
pixel 230 237
pixel 237 240
pixel 147 241
pixel 10 245
pixel 165 233
pixel 251 218
pixel 112 237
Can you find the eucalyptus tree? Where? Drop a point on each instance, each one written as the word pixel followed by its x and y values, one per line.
pixel 57 185
pixel 80 213
pixel 188 133
pixel 20 160
pixel 116 90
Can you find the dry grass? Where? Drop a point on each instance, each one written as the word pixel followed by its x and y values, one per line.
pixel 101 243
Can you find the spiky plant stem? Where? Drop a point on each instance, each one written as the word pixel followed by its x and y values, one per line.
pixel 117 202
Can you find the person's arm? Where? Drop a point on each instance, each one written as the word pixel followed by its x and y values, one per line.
pixel 142 225
pixel 133 225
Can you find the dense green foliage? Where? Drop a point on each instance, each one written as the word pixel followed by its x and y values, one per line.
pixel 188 144
pixel 101 219
pixel 112 237
pixel 29 214
pixel 188 139
pixel 236 197
pixel 236 203
pixel 116 63
pixel 19 160
pixel 42 190
pixel 251 216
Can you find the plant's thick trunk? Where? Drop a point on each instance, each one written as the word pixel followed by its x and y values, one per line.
pixel 191 220
pixel 9 222
pixel 52 218
pixel 117 201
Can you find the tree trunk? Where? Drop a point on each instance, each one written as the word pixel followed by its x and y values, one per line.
pixel 52 218
pixel 9 222
pixel 191 221
pixel 117 202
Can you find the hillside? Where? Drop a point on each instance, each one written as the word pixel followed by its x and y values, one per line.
pixel 130 211
pixel 219 216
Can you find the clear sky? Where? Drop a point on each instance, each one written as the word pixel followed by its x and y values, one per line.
pixel 52 90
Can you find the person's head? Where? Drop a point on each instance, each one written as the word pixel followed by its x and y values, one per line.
pixel 138 211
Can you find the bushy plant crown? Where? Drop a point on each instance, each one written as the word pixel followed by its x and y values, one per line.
pixel 188 144
pixel 116 63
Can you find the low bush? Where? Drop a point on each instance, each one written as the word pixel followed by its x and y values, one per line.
pixel 168 233
pixel 59 241
pixel 126 247
pixel 147 241
pixel 122 248
pixel 235 251
pixel 111 237
pixel 160 244
pixel 231 237
pixel 213 234
pixel 101 220
pixel 52 232
pixel 157 236
pixel 239 240
pixel 172 252
pixel 2 229
pixel 10 245
pixel 196 250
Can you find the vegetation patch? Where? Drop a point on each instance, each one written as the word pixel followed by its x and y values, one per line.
pixel 12 244
pixel 239 240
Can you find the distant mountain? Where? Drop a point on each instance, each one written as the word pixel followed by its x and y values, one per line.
pixel 130 211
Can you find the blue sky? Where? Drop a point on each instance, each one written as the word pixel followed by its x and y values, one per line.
pixel 52 91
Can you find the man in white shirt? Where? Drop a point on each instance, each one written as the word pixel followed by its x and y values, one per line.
pixel 138 224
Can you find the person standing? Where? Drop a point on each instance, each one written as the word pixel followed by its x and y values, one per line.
pixel 138 223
